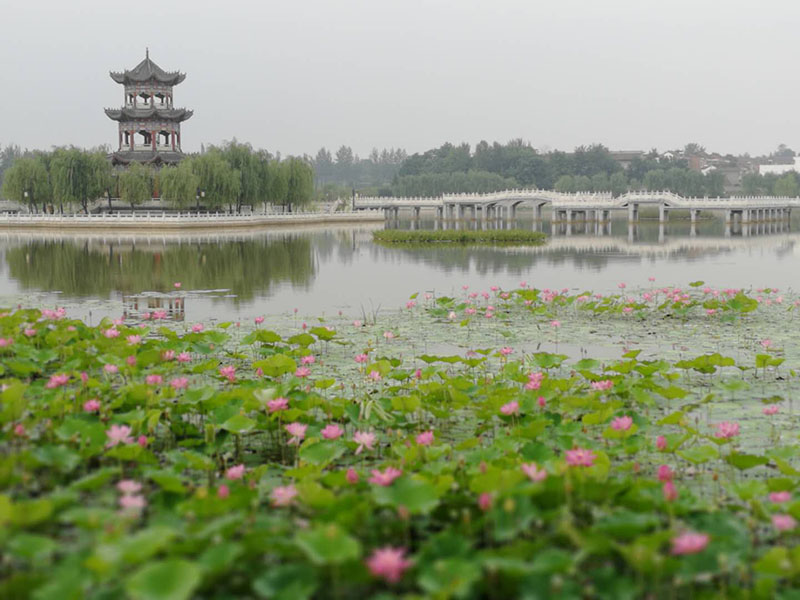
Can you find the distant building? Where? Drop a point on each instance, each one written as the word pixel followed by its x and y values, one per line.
pixel 780 169
pixel 626 157
pixel 149 123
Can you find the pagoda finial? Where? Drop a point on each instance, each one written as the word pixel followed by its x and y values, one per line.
pixel 147 52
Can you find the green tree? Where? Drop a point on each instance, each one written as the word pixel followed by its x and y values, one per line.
pixel 136 184
pixel 278 183
pixel 618 183
pixel 179 184
pixel 101 179
pixel 27 181
pixel 566 184
pixel 244 161
pixel 786 186
pixel 300 182
pixel 218 182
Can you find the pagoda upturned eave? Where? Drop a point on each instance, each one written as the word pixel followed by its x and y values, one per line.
pixel 131 114
pixel 146 71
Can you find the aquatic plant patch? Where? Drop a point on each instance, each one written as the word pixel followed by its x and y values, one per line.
pixel 525 443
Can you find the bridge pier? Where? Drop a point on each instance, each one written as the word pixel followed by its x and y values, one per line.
pixel 416 213
pixel 633 212
pixel 661 232
pixel 537 212
pixel 663 213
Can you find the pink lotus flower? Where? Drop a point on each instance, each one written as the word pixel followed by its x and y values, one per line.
pixel 665 473
pixel 779 497
pixel 783 522
pixel 129 487
pixel 132 503
pixel 259 320
pixel 555 324
pixel 425 438
pixel 669 491
pixel 179 383
pixel 410 304
pixel 159 315
pixel 357 323
pixel 511 408
pixel 452 315
pixel 133 340
pixel 770 410
pixel 766 343
pixel 223 491
pixel 6 342
pixel 111 333
pixel 727 430
pixel 19 430
pixel 352 476
pixel 388 335
pixel 534 381
pixel 111 369
pixel 364 440
pixel 283 495
pixel 386 477
pixel 580 457
pixel 154 380
pixel 29 331
pixel 602 386
pixel 177 285
pixel 228 372
pixel 234 473
pixel 332 431
pixel 277 404
pixel 621 286
pixel 131 361
pixel 184 357
pixel 308 360
pixel 661 443
pixel 56 381
pixel 505 350
pixel 118 434
pixel 485 501
pixel 533 472
pixel 84 376
pixel 621 423
pixel 361 358
pixel 197 328
pixel 375 375
pixel 689 543
pixel 168 355
pixel 297 431
pixel 91 406
pixel 302 372
pixel 142 441
pixel 541 402
pixel 388 563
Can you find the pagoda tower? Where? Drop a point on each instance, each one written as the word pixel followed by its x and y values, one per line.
pixel 149 123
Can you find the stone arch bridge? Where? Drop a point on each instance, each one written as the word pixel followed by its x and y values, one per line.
pixel 567 207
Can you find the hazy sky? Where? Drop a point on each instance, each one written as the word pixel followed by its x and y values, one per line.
pixel 294 75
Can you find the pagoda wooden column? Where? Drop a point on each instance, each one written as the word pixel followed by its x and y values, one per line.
pixel 131 140
pixel 153 140
pixel 120 139
pixel 173 141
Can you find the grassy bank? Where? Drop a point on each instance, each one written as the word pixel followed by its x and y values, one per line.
pixel 498 236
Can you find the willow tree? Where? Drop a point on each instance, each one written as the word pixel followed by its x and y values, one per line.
pixel 27 180
pixel 102 176
pixel 136 184
pixel 246 163
pixel 278 180
pixel 179 184
pixel 217 180
pixel 299 182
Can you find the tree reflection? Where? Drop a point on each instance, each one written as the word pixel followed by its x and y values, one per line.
pixel 86 268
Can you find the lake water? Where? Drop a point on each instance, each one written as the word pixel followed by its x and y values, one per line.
pixel 329 269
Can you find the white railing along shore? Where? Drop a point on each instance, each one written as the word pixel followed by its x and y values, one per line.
pixel 163 217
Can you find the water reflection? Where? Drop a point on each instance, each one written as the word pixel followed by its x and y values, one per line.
pixel 90 267
pixel 324 269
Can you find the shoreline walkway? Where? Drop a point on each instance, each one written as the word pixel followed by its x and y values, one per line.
pixel 166 221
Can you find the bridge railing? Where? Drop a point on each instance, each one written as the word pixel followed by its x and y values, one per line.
pixel 176 217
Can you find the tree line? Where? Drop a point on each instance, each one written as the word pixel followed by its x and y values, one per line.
pixel 495 167
pixel 230 176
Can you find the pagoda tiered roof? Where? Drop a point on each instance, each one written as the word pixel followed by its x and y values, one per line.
pixel 153 157
pixel 130 114
pixel 146 71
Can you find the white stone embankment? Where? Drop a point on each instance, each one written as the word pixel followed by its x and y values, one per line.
pixel 163 221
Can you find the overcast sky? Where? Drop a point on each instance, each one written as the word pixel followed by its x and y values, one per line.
pixel 295 75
